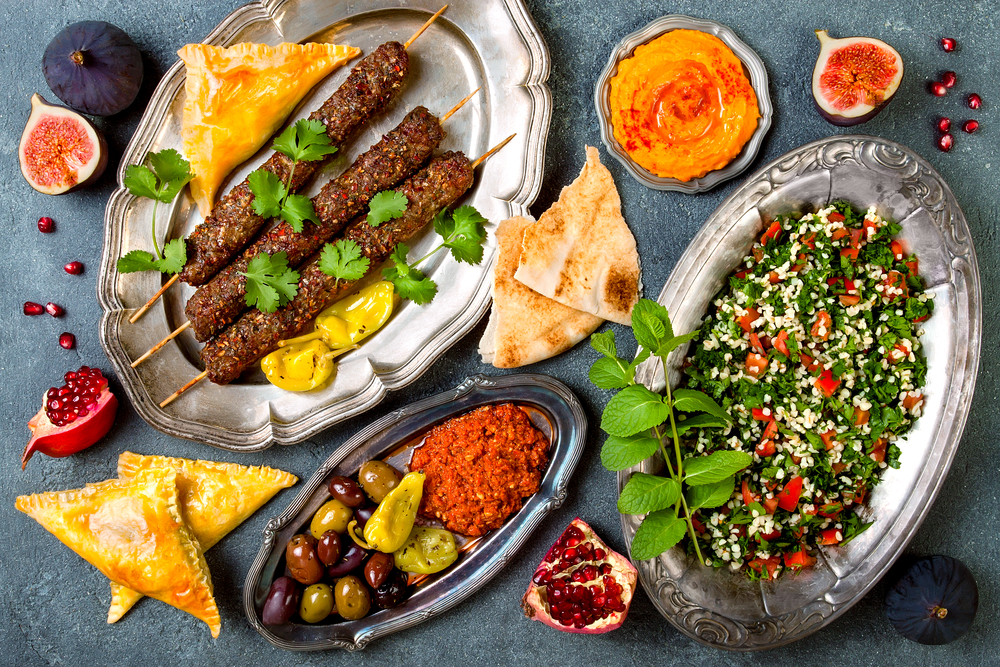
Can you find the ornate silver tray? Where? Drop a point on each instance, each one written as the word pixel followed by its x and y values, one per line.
pixel 722 609
pixel 553 409
pixel 494 45
pixel 753 67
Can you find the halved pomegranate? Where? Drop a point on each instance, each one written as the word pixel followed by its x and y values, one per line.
pixel 581 585
pixel 73 416
pixel 854 78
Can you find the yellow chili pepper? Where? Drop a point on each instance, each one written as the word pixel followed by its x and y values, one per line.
pixel 300 367
pixel 352 319
pixel 391 523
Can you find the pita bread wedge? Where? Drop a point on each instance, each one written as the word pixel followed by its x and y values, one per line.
pixel 580 252
pixel 526 327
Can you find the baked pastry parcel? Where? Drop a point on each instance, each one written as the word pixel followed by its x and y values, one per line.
pixel 581 252
pixel 132 531
pixel 526 327
pixel 214 499
pixel 237 97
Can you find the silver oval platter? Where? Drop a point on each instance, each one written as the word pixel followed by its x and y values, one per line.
pixel 723 609
pixel 753 67
pixel 553 409
pixel 491 44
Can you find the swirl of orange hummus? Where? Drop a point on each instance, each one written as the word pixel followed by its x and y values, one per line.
pixel 681 105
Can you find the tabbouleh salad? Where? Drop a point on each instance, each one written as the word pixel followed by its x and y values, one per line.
pixel 814 350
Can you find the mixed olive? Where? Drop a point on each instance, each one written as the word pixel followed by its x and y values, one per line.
pixel 360 546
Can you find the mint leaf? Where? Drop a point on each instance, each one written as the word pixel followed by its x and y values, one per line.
pixel 621 453
pixel 658 532
pixel 306 140
pixel 343 260
pixel 645 493
pixel 174 257
pixel 296 210
pixel 463 234
pixel 650 324
pixel 668 346
pixel 267 191
pixel 608 373
pixel 387 205
pixel 604 343
pixel 710 495
pixel 633 409
pixel 140 182
pixel 698 421
pixel 270 283
pixel 137 260
pixel 690 400
pixel 715 467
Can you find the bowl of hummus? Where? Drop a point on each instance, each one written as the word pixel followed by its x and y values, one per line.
pixel 683 104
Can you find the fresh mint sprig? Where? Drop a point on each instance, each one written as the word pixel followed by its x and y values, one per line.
pixel 640 422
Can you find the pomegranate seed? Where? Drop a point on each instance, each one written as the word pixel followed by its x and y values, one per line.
pixel 945 142
pixel 46 225
pixel 944 124
pixel 67 341
pixel 974 101
pixel 600 554
pixel 55 310
pixel 74 268
pixel 948 44
pixel 32 308
pixel 578 576
pixel 572 541
pixel 970 126
pixel 938 89
pixel 569 553
pixel 949 79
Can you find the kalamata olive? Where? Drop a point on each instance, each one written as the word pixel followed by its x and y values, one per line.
pixel 282 601
pixel 363 514
pixel 352 559
pixel 352 597
pixel 333 515
pixel 393 592
pixel 378 479
pixel 377 569
pixel 328 548
pixel 301 558
pixel 347 491
pixel 317 603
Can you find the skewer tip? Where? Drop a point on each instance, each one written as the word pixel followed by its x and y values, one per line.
pixel 478 161
pixel 460 104
pixel 142 311
pixel 173 397
pixel 424 27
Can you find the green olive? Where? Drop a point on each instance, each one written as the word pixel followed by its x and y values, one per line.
pixel 317 603
pixel 378 479
pixel 353 598
pixel 333 515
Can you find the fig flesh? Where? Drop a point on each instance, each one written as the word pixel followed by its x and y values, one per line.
pixel 60 150
pixel 854 78
pixel 934 602
pixel 93 67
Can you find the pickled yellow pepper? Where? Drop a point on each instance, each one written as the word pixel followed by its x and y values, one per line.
pixel 390 525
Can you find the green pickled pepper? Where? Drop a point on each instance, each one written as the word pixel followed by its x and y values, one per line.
pixel 391 523
pixel 426 551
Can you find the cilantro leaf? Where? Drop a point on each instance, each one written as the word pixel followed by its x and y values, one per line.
pixel 270 283
pixel 387 205
pixel 621 453
pixel 268 192
pixel 296 210
pixel 137 260
pixel 343 260
pixel 409 282
pixel 141 182
pixel 306 140
pixel 172 171
pixel 463 234
pixel 648 493
pixel 174 257
pixel 658 532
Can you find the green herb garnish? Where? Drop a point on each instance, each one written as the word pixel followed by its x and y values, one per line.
pixel 385 206
pixel 343 260
pixel 270 283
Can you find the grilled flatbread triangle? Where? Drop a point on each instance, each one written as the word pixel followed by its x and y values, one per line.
pixel 580 252
pixel 132 531
pixel 238 97
pixel 214 499
pixel 526 327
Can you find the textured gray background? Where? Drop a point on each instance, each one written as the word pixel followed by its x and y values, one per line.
pixel 54 605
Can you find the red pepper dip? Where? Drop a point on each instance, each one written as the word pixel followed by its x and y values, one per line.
pixel 480 467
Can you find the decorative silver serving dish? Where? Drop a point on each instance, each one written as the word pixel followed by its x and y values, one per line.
pixel 494 45
pixel 553 409
pixel 753 67
pixel 723 609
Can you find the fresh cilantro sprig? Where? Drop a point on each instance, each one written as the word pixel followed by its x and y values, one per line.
pixel 462 232
pixel 386 206
pixel 639 422
pixel 343 260
pixel 161 181
pixel 306 141
pixel 270 283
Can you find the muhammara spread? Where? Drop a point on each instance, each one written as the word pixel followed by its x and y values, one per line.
pixel 681 106
pixel 480 467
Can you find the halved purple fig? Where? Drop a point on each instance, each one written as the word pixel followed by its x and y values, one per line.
pixel 854 78
pixel 60 150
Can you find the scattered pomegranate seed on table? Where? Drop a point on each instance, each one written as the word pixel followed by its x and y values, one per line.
pixel 974 101
pixel 54 309
pixel 945 142
pixel 46 225
pixel 74 268
pixel 948 44
pixel 32 308
pixel 67 341
pixel 949 79
pixel 970 126
pixel 938 89
pixel 944 124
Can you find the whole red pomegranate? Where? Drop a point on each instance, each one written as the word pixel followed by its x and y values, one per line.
pixel 581 585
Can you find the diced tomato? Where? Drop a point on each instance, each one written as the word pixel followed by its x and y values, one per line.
pixel 765 448
pixel 859 494
pixel 831 509
pixel 756 364
pixel 780 342
pixel 829 439
pixel 771 429
pixel 831 536
pixel 748 496
pixel 788 497
pixel 898 353
pixel 897 250
pixel 866 226
pixel 798 532
pixel 895 281
pixel 698 525
pixel 770 504
pixel 809 240
pixel 836 216
pixel 821 327
pixel 813 509
pixel 773 277
pixel 759 415
pixel 847 283
pixel 856 238
pixel 758 252
pixel 912 401
pixel 795 268
pixel 826 383
pixel 747 320
pixel 838 468
pixel 741 274
pixel 850 253
pixel 861 416
pixel 849 299
pixel 755 342
pixel 878 450
pixel 799 560
pixel 765 341
pixel 912 266
pixel 773 535
pixel 771 234
pixel 759 565
pixel 840 233
pixel 922 318
pixel 808 362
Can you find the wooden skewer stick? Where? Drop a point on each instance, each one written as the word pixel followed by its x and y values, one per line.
pixel 172 397
pixel 142 311
pixel 156 348
pixel 459 105
pixel 491 151
pixel 424 27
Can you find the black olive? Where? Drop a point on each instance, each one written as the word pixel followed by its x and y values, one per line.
pixel 934 602
pixel 393 592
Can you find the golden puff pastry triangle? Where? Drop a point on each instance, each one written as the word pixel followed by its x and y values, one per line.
pixel 214 499
pixel 238 97
pixel 133 532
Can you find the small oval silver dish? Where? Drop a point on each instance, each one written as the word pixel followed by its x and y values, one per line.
pixel 753 67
